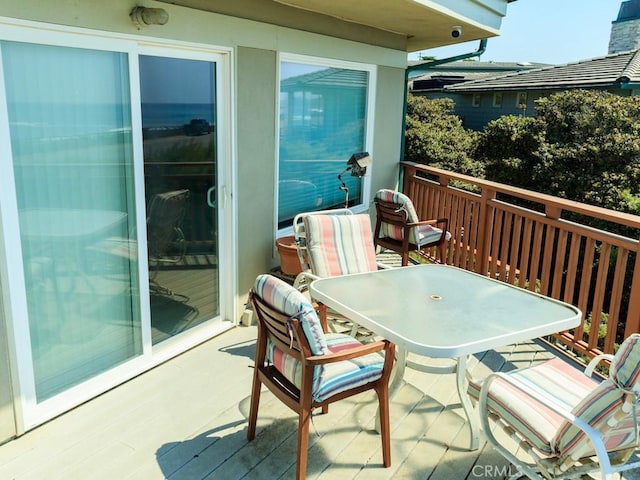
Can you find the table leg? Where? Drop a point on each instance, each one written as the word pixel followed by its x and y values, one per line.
pixel 472 416
pixel 397 378
pixel 397 374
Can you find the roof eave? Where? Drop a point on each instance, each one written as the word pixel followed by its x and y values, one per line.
pixel 519 88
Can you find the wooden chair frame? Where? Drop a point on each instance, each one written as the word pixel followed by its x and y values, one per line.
pixel 389 212
pixel 272 325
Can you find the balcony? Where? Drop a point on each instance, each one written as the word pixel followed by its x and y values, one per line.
pixel 543 243
pixel 186 419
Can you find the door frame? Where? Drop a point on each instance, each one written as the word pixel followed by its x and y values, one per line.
pixel 225 174
pixel 28 412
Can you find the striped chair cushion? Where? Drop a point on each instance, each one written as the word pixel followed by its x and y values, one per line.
pixel 427 234
pixel 402 200
pixel 604 408
pixel 625 367
pixel 340 244
pixel 332 378
pixel 290 301
pixel 556 381
pixel 422 235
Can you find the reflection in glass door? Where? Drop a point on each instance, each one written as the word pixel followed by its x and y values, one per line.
pixel 71 140
pixel 179 139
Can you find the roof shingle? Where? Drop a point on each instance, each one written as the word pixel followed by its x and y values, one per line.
pixel 610 70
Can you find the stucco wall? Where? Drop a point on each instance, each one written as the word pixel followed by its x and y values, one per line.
pixel 387 129
pixel 256 169
pixel 189 25
pixel 254 50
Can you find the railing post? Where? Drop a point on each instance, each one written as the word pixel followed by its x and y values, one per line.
pixel 633 316
pixel 536 245
pixel 409 173
pixel 484 232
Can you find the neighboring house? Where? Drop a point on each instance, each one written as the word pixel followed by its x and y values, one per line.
pixel 431 82
pixel 146 159
pixel 480 101
pixel 483 93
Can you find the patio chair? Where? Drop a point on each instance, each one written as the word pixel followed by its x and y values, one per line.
pixel 165 238
pixel 569 423
pixel 307 368
pixel 166 242
pixel 331 243
pixel 398 227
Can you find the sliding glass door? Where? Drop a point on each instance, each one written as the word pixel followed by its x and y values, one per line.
pixel 71 139
pixel 109 211
pixel 179 137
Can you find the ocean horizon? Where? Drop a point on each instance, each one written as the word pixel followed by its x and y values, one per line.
pixel 172 115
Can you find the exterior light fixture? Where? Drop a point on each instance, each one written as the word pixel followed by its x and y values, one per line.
pixel 148 16
pixel 357 164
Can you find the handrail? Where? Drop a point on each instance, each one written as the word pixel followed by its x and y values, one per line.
pixel 494 233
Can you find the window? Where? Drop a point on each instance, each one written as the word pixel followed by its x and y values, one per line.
pixel 497 99
pixel 323 121
pixel 521 100
pixel 475 101
pixel 71 138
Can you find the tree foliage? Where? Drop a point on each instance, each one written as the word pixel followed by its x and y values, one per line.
pixel 508 147
pixel 436 137
pixel 583 145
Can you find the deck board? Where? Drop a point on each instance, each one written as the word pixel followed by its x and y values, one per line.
pixel 186 420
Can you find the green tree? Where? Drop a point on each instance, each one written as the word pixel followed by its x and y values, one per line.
pixel 436 137
pixel 583 145
pixel 509 149
pixel 592 150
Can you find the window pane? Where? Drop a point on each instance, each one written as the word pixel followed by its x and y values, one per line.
pixel 179 134
pixel 323 114
pixel 70 125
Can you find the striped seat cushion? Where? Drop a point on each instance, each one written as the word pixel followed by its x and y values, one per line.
pixel 283 297
pixel 426 234
pixel 422 235
pixel 625 367
pixel 340 244
pixel 332 378
pixel 403 201
pixel 603 410
pixel 607 408
pixel 555 381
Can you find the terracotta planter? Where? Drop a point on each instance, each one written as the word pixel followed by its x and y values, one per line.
pixel 289 260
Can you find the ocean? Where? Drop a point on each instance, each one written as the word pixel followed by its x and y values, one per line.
pixel 158 115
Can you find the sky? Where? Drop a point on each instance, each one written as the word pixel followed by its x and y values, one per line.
pixel 546 31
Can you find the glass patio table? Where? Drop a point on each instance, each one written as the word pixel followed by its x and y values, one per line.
pixel 441 311
pixel 62 234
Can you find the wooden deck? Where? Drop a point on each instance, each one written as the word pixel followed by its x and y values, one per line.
pixel 186 420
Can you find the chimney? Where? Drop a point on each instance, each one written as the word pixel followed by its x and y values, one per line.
pixel 625 30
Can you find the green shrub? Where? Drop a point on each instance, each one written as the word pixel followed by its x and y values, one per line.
pixel 582 145
pixel 509 149
pixel 436 137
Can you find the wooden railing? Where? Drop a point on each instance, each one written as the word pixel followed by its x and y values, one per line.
pixel 543 243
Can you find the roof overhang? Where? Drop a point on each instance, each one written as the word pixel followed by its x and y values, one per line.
pixel 408 25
